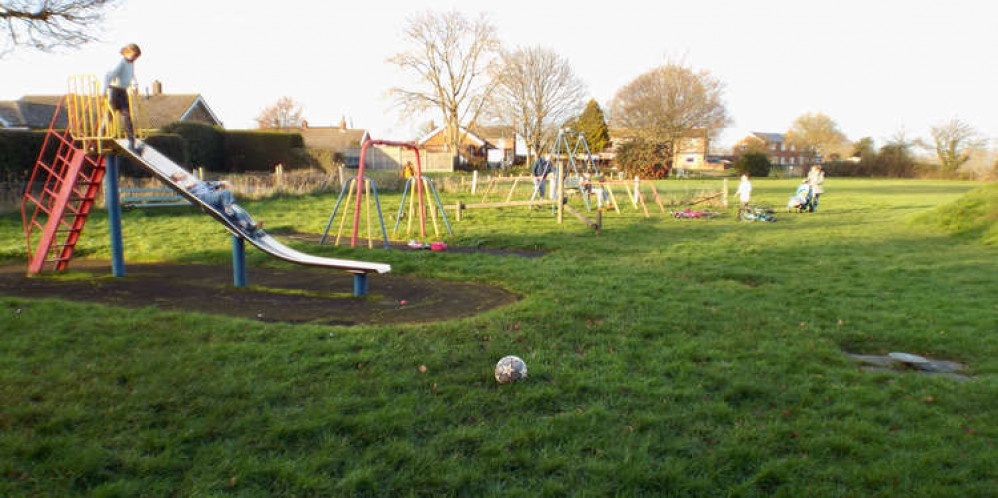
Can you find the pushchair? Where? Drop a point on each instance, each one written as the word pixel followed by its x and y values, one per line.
pixel 801 200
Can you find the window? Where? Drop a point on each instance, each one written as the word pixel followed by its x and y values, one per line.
pixel 772 146
pixel 792 160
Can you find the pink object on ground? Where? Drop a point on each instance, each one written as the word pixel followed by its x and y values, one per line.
pixel 438 246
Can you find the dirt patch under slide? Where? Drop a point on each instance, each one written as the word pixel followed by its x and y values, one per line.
pixel 297 295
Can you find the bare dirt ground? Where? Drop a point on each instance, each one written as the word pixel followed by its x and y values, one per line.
pixel 297 295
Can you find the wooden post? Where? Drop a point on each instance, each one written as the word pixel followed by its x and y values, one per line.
pixel 637 186
pixel 457 208
pixel 658 200
pixel 474 184
pixel 599 222
pixel 724 194
pixel 509 196
pixel 561 192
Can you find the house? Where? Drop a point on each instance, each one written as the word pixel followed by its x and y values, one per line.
pixel 776 148
pixel 34 112
pixel 472 146
pixel 342 142
pixel 690 150
pixel 495 145
pixel 505 146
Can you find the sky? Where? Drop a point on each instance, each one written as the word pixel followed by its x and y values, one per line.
pixel 876 67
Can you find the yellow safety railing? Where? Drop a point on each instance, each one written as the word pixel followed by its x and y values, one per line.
pixel 90 117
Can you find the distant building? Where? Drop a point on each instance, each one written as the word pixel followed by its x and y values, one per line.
pixel 34 112
pixel 343 142
pixel 776 148
pixel 496 145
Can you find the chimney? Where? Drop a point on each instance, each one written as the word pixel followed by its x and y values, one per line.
pixel 343 124
pixel 304 124
pixel 157 87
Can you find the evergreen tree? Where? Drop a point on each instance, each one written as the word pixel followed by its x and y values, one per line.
pixel 592 124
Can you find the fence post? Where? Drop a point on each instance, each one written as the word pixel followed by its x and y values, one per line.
pixel 724 194
pixel 474 181
pixel 637 185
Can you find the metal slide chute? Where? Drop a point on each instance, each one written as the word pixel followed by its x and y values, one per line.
pixel 164 168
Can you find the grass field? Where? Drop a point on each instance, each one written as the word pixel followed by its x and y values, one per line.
pixel 695 357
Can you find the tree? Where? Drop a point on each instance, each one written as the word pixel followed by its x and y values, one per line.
pixel 895 157
pixel 953 143
pixel 816 135
pixel 864 148
pixel 46 25
pixel 536 90
pixel 664 103
pixel 754 164
pixel 451 57
pixel 283 115
pixel 592 124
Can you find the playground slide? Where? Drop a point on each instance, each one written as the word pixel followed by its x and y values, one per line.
pixel 164 168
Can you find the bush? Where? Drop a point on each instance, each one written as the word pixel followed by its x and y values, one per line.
pixel 205 143
pixel 474 164
pixel 755 164
pixel 18 152
pixel 323 159
pixel 260 150
pixel 644 158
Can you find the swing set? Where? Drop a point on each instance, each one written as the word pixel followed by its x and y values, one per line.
pixel 417 190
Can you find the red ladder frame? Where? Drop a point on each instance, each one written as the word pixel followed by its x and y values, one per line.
pixel 58 198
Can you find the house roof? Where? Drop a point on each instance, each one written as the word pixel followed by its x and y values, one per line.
pixel 481 142
pixel 35 111
pixel 490 133
pixel 333 138
pixel 163 109
pixel 769 137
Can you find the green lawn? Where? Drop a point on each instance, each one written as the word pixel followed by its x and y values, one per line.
pixel 695 357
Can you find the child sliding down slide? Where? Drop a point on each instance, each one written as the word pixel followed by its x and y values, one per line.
pixel 217 195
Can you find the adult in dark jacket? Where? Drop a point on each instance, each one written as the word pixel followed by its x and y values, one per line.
pixel 540 172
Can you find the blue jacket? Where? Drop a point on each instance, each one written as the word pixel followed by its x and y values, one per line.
pixel 541 168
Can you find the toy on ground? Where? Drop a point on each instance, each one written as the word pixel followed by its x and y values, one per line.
pixel 510 369
pixel 688 214
pixel 757 214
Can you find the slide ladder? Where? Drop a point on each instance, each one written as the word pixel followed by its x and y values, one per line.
pixel 57 200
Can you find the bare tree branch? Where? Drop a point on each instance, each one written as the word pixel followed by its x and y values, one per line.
pixel 449 55
pixel 47 25
pixel 667 101
pixel 953 143
pixel 537 91
pixel 283 115
pixel 817 135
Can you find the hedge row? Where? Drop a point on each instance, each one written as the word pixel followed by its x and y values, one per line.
pixel 188 144
pixel 261 150
pixel 18 153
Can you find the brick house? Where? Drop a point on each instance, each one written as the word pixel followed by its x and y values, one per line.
pixel 775 146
